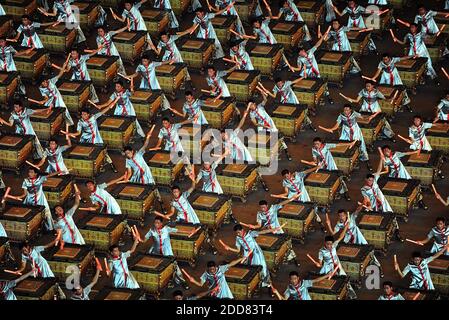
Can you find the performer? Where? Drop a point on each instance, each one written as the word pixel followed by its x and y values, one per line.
pixel 118 267
pixel 231 11
pixel 53 155
pixel 351 131
pixel 215 81
pixel 439 234
pixel 32 254
pixel 181 204
pixel 415 38
pixel 286 94
pixel 308 66
pixel 131 14
pixel 355 19
pixel 426 19
pixel 63 12
pixel 293 183
pixel 290 11
pixel 370 97
pixel 53 98
pixel 20 118
pixel 107 46
pixel 203 22
pixel 215 278
pixel 267 219
pixel 338 34
pixel 102 200
pixel 323 158
pixel 208 175
pixel 147 70
pixel 390 75
pixel 65 222
pixel 374 199
pixel 137 170
pixel 417 134
pixel 329 261
pixel 78 64
pixel 169 133
pixel 233 145
pixel 392 160
pixel 419 269
pixel 166 5
pixel 88 131
pixel 246 241
pixel 238 53
pixel 80 293
pixel 297 289
pixel 330 12
pixel 442 112
pixel 389 292
pixel 439 197
pixel 28 29
pixel 264 123
pixel 7 54
pixel 33 193
pixel 191 109
pixel 352 233
pixel 7 286
pixel 121 99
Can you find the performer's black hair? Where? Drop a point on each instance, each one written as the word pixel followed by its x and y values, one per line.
pixel 127 148
pixel 369 176
pixel 416 254
pixel 317 139
pixel 211 264
pixel 177 293
pixel 442 219
pixel 329 238
pixel 175 187
pixel 293 273
pixel 263 203
pixel 284 172
pixel 238 227
pixel 387 283
pixel 111 248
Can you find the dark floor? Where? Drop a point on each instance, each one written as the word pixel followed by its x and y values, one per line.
pixel 420 221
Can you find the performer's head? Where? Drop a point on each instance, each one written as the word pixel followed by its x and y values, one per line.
pixel 263 205
pixel 317 142
pixel 342 215
pixel 114 251
pixel 200 13
pixel 369 179
pixel 45 82
pixel 388 288
pixel 447 95
pixel 386 58
pixel 166 122
pixel 189 96
pixel 369 85
pixel 206 165
pixel 52 143
pixel 129 152
pixel 416 257
pixel 224 135
pixel 25 247
pixel 417 120
pixel 347 109
pixel 351 4
pixel 238 229
pixel 158 222
pixel 279 82
pixel 59 211
pixel 211 71
pixel 284 4
pixel 414 28
pixel 128 4
pixel 32 172
pixel 176 191
pixel 252 104
pixel 422 10
pixel 74 53
pixel 302 51
pixel 90 185
pixel 178 295
pixel 17 106
pixel 3 41
pixel 386 150
pixel 85 113
pixel 211 266
pixel 101 31
pixel 328 242
pixel 26 20
pixel 336 24
pixel 146 59
pixel 119 86
pixel 234 45
pixel 256 22
pixel 294 277
pixel 286 173
pixel 164 36
pixel 440 223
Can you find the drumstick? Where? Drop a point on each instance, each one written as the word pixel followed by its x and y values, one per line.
pixel 433 188
pixel 98 264
pixel 394 97
pixel 193 232
pixel 445 72
pixel 416 295
pixel 392 35
pixel 345 97
pixel 6 194
pixel 325 129
pixel 401 21
pixel 12 272
pixel 123 76
pixel 160 214
pixel 395 260
pixel 206 91
pixel 405 139
pixel 92 103
pixel 312 259
pixel 333 272
pixel 439 32
pixel 106 265
pixel 61 246
pixel 415 242
pixel 368 78
pixel 58 237
pixel 133 233
pixel 223 244
pixel 32 164
pixel 137 233
pixel 186 274
pixel 309 162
